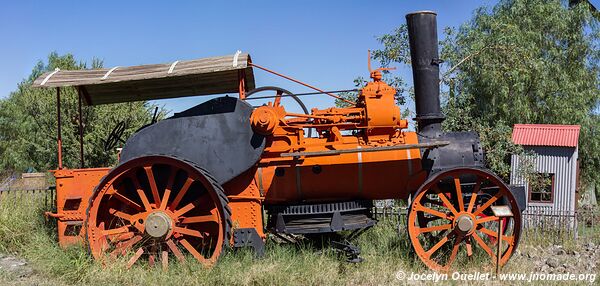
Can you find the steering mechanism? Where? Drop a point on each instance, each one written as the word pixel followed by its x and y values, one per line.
pixel 115 136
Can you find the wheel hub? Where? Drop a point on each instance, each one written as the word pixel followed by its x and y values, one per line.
pixel 464 223
pixel 158 224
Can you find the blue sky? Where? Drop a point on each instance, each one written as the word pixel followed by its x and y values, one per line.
pixel 323 43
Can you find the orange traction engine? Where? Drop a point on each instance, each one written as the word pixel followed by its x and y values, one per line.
pixel 210 177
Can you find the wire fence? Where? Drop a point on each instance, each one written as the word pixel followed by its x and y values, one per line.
pixel 26 198
pixel 537 225
pixel 394 213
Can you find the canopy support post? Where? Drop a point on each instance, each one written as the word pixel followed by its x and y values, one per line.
pixel 242 85
pixel 79 94
pixel 59 135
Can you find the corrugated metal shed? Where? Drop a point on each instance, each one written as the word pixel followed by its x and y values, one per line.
pixel 546 135
pixel 560 161
pixel 215 75
pixel 550 149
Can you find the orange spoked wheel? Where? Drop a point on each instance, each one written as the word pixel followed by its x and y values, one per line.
pixel 450 218
pixel 157 208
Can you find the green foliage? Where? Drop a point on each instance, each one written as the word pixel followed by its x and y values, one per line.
pixel 28 123
pixel 526 61
pixel 522 61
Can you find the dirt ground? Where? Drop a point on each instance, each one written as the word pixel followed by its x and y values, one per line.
pixel 585 258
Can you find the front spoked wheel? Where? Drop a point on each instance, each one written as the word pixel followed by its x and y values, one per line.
pixel 450 218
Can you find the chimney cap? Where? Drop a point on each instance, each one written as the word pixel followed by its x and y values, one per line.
pixel 422 12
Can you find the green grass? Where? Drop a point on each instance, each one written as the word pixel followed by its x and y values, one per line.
pixel 24 232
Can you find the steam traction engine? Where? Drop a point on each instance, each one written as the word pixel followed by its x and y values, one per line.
pixel 200 181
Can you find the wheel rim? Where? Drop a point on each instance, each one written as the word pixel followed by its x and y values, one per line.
pixel 450 217
pixel 155 208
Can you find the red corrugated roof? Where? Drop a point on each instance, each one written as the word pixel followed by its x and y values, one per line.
pixel 546 135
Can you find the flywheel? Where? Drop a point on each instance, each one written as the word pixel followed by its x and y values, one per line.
pixel 450 218
pixel 157 208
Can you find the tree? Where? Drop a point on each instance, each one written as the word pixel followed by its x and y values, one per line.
pixel 28 123
pixel 522 61
pixel 527 61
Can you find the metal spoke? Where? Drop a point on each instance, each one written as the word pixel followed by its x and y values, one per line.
pixel 436 246
pixel 127 201
pixel 124 236
pixel 203 218
pixel 165 260
pixel 472 202
pixel 175 250
pixel 114 231
pixel 168 188
pixel 184 189
pixel 192 250
pixel 122 247
pixel 483 245
pixel 457 242
pixel 120 214
pixel 487 204
pixel 447 203
pixel 486 219
pixel 187 231
pixel 165 199
pixel 469 247
pixel 151 260
pixel 459 197
pixel 507 238
pixel 434 228
pixel 135 257
pixel 184 209
pixel 152 183
pixel 142 194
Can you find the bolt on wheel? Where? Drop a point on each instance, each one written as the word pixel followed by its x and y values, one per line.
pixel 157 207
pixel 451 217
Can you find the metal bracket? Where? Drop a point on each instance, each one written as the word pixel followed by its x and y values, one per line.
pixel 49 76
pixel 109 72
pixel 248 237
pixel 351 251
pixel 235 58
pixel 172 67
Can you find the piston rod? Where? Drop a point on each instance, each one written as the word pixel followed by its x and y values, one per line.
pixel 428 145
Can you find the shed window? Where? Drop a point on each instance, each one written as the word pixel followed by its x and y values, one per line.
pixel 541 188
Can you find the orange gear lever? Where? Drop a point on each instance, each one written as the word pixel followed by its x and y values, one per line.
pixel 376 74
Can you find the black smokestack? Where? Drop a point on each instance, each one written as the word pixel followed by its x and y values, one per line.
pixel 423 40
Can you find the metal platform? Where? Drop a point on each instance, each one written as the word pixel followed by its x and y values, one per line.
pixel 320 218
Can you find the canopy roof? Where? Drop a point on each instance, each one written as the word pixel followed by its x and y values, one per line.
pixel 205 76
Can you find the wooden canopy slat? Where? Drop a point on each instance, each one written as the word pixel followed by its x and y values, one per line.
pixel 205 76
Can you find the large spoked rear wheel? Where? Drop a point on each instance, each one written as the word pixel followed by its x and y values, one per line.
pixel 450 218
pixel 156 207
